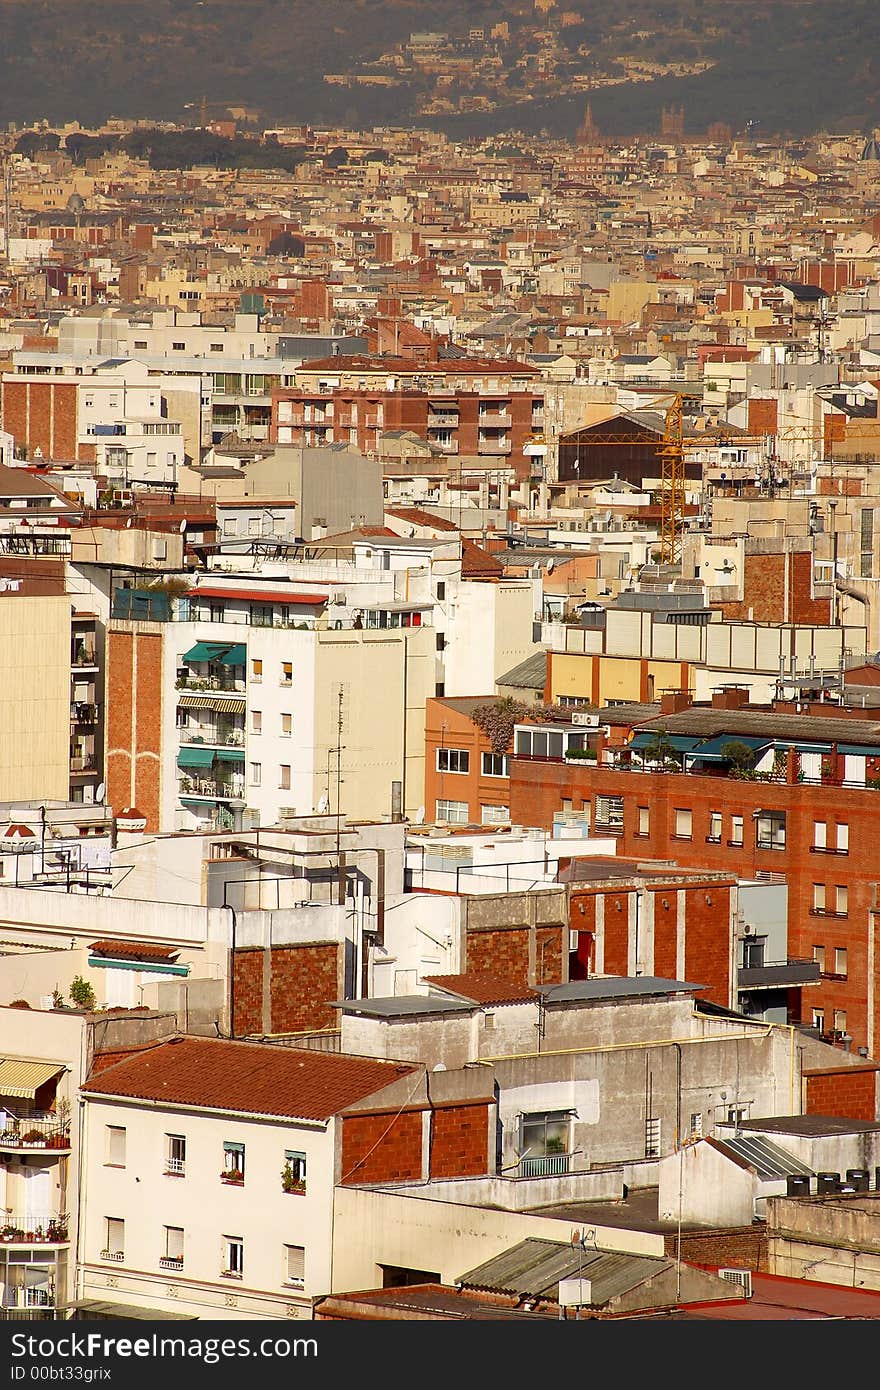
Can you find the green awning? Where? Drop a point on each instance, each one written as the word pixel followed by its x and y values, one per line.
pixel 236 656
pixel 679 743
pixel 207 651
pixel 230 755
pixel 713 747
pixel 195 757
pixel 859 750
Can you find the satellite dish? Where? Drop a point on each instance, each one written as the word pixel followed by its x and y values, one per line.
pixel 100 791
pixel 182 527
pixel 323 805
pixel 128 523
pixel 550 564
pixel 420 816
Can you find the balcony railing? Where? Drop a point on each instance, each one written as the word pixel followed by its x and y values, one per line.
pixel 211 789
pixel 223 738
pixel 45 1133
pixel 171 1262
pixel 778 974
pixel 212 682
pixel 41 1312
pixel 546 1166
pixel 175 1167
pixel 115 1255
pixel 34 1230
pixel 82 712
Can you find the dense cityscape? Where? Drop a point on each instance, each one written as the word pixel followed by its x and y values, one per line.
pixel 440 617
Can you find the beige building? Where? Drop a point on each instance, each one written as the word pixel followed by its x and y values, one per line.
pixel 34 697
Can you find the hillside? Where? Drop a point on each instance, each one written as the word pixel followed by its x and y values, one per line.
pixel 790 65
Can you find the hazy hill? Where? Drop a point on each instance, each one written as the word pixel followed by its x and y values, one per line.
pixel 790 65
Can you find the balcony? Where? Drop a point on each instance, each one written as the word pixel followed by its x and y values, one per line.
pixel 83 713
pixel 494 420
pixel 778 975
pixel 210 789
pixel 214 737
pixel 116 1256
pixel 213 682
pixel 175 1168
pixel 80 763
pixel 36 1133
pixel 38 1312
pixel 547 1166
pixel 83 658
pixel 171 1262
pixel 34 1230
pixel 496 448
pixel 442 422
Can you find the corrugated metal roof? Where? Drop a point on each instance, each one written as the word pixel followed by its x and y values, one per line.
pixel 535 1267
pixel 767 1159
pixel 23 1079
pixel 616 987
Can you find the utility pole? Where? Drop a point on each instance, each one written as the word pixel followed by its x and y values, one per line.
pixel 339 866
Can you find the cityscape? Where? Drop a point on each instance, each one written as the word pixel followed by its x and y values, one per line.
pixel 440 725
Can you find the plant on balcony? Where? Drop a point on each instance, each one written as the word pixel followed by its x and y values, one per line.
pixel 661 751
pixel 33 1136
pixel 81 993
pixel 740 757
pixel 555 1144
pixel 232 1175
pixel 289 1180
pixel 497 720
pixel 586 754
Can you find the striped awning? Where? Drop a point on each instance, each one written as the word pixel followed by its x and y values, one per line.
pixel 224 704
pixel 24 1079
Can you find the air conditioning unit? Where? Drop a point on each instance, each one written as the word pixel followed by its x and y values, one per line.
pixel 585 720
pixel 742 1277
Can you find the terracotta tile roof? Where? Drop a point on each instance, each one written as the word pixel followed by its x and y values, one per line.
pixel 252 1078
pixel 422 518
pixel 133 950
pixel 476 561
pixel 482 987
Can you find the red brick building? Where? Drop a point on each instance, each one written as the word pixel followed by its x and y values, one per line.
pixel 809 820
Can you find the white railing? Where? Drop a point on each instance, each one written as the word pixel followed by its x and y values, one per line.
pixel 548 1166
pixel 176 1166
pixel 118 1255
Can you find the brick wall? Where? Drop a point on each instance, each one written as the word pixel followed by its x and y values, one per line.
pixel 548 955
pixel 739 1248
pixel 119 717
pixel 767 597
pixel 247 991
pixel 381 1147
pixel 850 1092
pixel 148 730
pixel 503 951
pixel 707 942
pixel 302 980
pixel 616 933
pixel 460 1141
pixel 666 937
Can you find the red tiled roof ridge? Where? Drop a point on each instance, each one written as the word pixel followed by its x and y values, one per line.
pixel 484 987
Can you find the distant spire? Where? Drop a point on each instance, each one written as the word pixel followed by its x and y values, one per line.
pixel 588 131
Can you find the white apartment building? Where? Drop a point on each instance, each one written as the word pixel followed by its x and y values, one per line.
pixel 209 1175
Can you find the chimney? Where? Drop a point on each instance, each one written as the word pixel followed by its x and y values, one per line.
pixel 674 701
pixel 730 697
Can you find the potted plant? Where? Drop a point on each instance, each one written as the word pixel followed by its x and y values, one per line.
pixel 33 1136
pixel 289 1180
pixel 232 1175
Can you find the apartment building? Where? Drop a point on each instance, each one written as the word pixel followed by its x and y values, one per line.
pixel 793 798
pixel 268 1132
pixel 248 700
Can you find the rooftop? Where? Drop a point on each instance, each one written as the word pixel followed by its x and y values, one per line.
pixel 616 987
pixel 249 1078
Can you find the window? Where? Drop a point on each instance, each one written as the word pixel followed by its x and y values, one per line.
pixel 114 1238
pixel 284 779
pixel 819 1019
pixel 233 1162
pixel 295 1265
pixel 544 1143
pixel 644 821
pixel 841 898
pixel 456 812
pixel 256 671
pixel 840 1020
pixel 819 897
pixel 714 836
pixel 233 1257
pixel 819 958
pixel 609 814
pixel 866 547
pixel 287 673
pixel 140 345
pixel 495 815
pixel 652 1137
pixel 736 1114
pixel 178 347
pixel 496 765
pixel 684 821
pixel 172 1257
pixel 753 953
pixel 819 834
pixel 840 960
pixel 216 347
pixel 770 830
pixel 175 1154
pixel 538 743
pixel 256 774
pixel 440 642
pixel 115 1136
pixel 441 591
pixel 230 526
pixel 453 760
pixel 293 1174
pixel 696 1124
pixel 256 721
pixel 286 724
pixel 736 830
pixel 842 839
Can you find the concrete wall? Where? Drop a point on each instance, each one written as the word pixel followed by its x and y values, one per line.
pixel 831 1240
pixel 371 1229
pixel 699 1185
